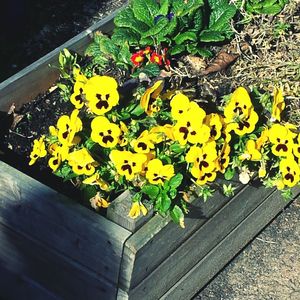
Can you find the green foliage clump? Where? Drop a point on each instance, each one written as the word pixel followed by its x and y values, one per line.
pixel 270 7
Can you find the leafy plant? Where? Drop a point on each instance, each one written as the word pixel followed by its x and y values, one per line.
pixel 270 7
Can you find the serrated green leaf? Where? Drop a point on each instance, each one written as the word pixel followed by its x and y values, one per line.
pixel 125 35
pixel 177 49
pixel 183 7
pixel 161 23
pixel 127 19
pixel 145 10
pixel 176 180
pixel 185 36
pixel 198 20
pixel 108 48
pixel 151 190
pixel 209 36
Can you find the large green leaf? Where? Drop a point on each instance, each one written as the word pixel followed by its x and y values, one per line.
pixel 221 15
pixel 183 7
pixel 177 214
pixel 127 19
pixel 109 48
pixel 157 28
pixel 211 36
pixel 176 180
pixel 125 35
pixel 124 54
pixel 177 49
pixel 151 190
pixel 145 10
pixel 185 36
pixel 164 7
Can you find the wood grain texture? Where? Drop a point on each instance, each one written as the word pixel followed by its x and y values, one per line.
pixel 35 210
pixel 200 243
pixel 141 255
pixel 38 77
pixel 216 259
pixel 47 269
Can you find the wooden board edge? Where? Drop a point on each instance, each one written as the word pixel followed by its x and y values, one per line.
pixel 231 245
pixel 199 243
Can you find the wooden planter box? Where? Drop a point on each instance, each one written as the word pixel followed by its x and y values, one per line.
pixel 51 247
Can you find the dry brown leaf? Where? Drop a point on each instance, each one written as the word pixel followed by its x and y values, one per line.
pixel 221 62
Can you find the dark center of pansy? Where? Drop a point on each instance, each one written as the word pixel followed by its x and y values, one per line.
pixel 281 147
pixel 289 177
pixel 142 145
pixel 55 161
pixel 206 175
pixel 203 164
pixel 185 132
pixel 107 139
pixel 127 168
pixel 101 103
pixel 79 98
pixel 213 131
pixel 243 124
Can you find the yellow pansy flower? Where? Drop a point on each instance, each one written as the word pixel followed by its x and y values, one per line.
pixel 282 139
pixel 278 104
pixel 205 177
pixel 101 93
pixel 68 127
pixel 251 152
pixel 82 162
pixel 296 147
pixel 180 104
pixel 203 159
pixel 95 179
pixel 148 99
pixel 127 163
pixel 98 201
pixel 77 98
pixel 144 143
pixel 161 133
pixel 157 173
pixel 290 171
pixel 239 104
pixel 223 158
pixel 190 129
pixel 123 138
pixel 59 154
pixel 104 132
pixel 215 123
pixel 262 139
pixel 38 150
pixel 241 124
pixel 136 209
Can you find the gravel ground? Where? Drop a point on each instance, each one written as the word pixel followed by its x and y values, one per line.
pixel 269 267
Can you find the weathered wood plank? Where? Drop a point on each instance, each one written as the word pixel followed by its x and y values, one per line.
pixel 38 77
pixel 199 243
pixel 46 268
pixel 141 255
pixel 212 263
pixel 36 210
pixel 15 286
pixel 119 209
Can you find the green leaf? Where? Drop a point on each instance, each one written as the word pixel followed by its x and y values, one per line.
pixel 198 20
pixel 177 215
pixel 176 180
pixel 165 203
pixel 177 148
pixel 125 35
pixel 151 70
pixel 145 10
pixel 192 48
pixel 108 47
pixel 161 23
pixel 211 36
pixel 127 19
pixel 124 54
pixel 164 7
pixel 151 190
pixel 228 175
pixel 88 192
pixel 204 52
pixel 137 111
pixel 186 36
pixel 177 49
